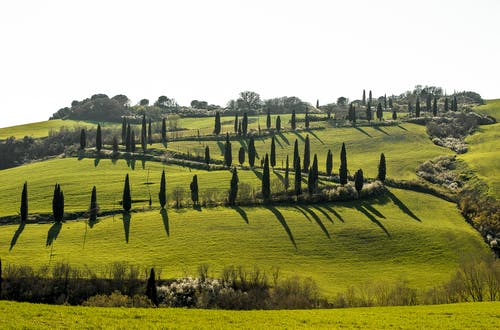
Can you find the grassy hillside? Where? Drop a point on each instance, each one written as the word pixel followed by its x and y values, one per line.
pixel 406 235
pixel 40 129
pixel 491 108
pixel 463 316
pixel 484 156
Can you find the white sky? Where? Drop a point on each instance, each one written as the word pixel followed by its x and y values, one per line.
pixel 53 52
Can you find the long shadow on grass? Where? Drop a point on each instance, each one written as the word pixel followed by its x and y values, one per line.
pixel 402 128
pixel 317 219
pixel 257 174
pixel 96 161
pixel 373 210
pixel 303 212
pixel 126 225
pixel 319 209
pixel 221 147
pixel 370 216
pixel 363 131
pixel 402 206
pixel 283 137
pixel 164 216
pixel 278 142
pixel 243 144
pixel 53 232
pixel 316 136
pixel 280 177
pixel 335 213
pixel 378 128
pixel 282 221
pixel 241 212
pixel 16 235
pixel 131 163
pixel 299 136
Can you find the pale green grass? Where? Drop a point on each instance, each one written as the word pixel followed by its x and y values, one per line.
pixel 41 129
pixel 491 108
pixel 483 156
pixel 457 316
pixel 413 236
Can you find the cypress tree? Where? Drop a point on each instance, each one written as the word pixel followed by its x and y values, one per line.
pixel 115 144
pixel 390 102
pixel 194 189
pixel 455 103
pixel 128 139
pixel 417 108
pixel 93 206
pixel 150 133
pixel 132 141
pixel 251 152
pixel 244 124
pixel 312 178
pixel 394 115
pixel 151 292
pixel 343 165
pixel 363 100
pixel 278 123
pixel 163 130
pixel 434 107
pixel 268 119
pixel 124 131
pixel 98 138
pixel 266 184
pixel 317 104
pixel 369 112
pixel 273 152
pixel 228 156
pixel 233 190
pixel 385 101
pixel 240 130
pixel 295 153
pixel 428 103
pixel 306 119
pixel 241 155
pixel 144 142
pixel 329 163
pixel 293 122
pixel 315 170
pixel 358 181
pixel 307 154
pixel 162 195
pixel 83 139
pixel 217 126
pixel 126 199
pixel 287 174
pixel 207 155
pixel 381 168
pixel 446 105
pixel 370 97
pixel 298 178
pixel 379 112
pixel 58 204
pixel 236 121
pixel 24 203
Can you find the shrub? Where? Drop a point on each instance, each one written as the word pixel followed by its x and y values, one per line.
pixel 117 299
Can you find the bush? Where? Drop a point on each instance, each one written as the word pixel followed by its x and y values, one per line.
pixel 117 299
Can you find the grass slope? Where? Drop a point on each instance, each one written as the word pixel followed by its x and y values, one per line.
pixel 457 316
pixel 407 235
pixel 41 129
pixel 491 108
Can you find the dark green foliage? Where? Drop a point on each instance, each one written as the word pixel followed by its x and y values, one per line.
pixel 58 203
pixel 241 155
pixel 98 138
pixel 244 124
pixel 428 103
pixel 363 100
pixel 358 181
pixel 273 152
pixel 298 178
pixel 268 119
pixel 163 130
pixel 132 141
pixel 128 139
pixel 329 163
pixel 390 102
pixel 369 112
pixel 306 119
pixel 287 174
pixel 343 165
pixel 240 130
pixel 162 195
pixel 217 126
pixel 293 120
pixel 382 168
pixel 417 108
pixel 115 144
pixel 83 139
pixel 370 97
pixel 351 115
pixel 379 112
pixel 24 203
pixel 266 180
pixel 278 123
pixel 434 107
pixel 317 104
pixel 93 208
pixel 193 186
pixel 207 155
pixel 151 292
pixel 307 154
pixel 251 152
pixel 454 103
pixel 144 142
pixel 385 101
pixel 295 153
pixel 233 190
pixel 394 115
pixel 150 133
pixel 236 121
pixel 124 131
pixel 228 153
pixel 312 178
pixel 446 105
pixel 126 199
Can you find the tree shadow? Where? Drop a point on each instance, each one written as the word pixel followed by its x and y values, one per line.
pixel 404 129
pixel 221 147
pixel 197 207
pixel 363 131
pixel 335 213
pixel 280 177
pixel 282 221
pixel 402 206
pixel 283 137
pixel 96 161
pixel 257 174
pixel 143 164
pixel 126 225
pixel 53 232
pixel 241 212
pixel 131 163
pixel 380 129
pixel 243 143
pixel 278 142
pixel 373 210
pixel 370 216
pixel 319 209
pixel 317 219
pixel 114 160
pixel 164 216
pixel 303 212
pixel 18 232
pixel 299 136
pixel 316 136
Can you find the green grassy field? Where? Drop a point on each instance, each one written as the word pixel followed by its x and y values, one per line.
pixel 404 235
pixel 457 316
pixel 491 108
pixel 41 129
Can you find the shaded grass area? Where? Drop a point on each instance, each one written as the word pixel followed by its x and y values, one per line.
pixel 337 244
pixel 464 316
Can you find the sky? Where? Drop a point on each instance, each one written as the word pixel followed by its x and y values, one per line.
pixel 53 52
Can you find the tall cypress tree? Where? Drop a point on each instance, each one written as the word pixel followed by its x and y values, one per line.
pixel 287 174
pixel 162 195
pixel 244 124
pixel 385 101
pixel 358 181
pixel 207 155
pixel 98 138
pixel 150 133
pixel 298 178
pixel 163 130
pixel 58 203
pixel 268 119
pixel 93 206
pixel 151 292
pixel 307 154
pixel 24 203
pixel 124 131
pixel 306 119
pixel 217 126
pixel 241 155
pixel 363 100
pixel 380 113
pixel 370 97
pixel 236 121
pixel 132 141
pixel 315 170
pixel 115 144
pixel 128 139
pixel 293 120
pixel 295 153
pixel 381 168
pixel 144 142
pixel 251 152
pixel 394 115
pixel 240 130
pixel 228 156
pixel 417 107
pixel 273 152
pixel 434 107
pixel 126 199
pixel 369 112
pixel 233 190
pixel 428 103
pixel 446 105
pixel 83 139
pixel 312 178
pixel 317 104
pixel 329 163
pixel 194 189
pixel 390 103
pixel 266 184
pixel 278 123
pixel 343 165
